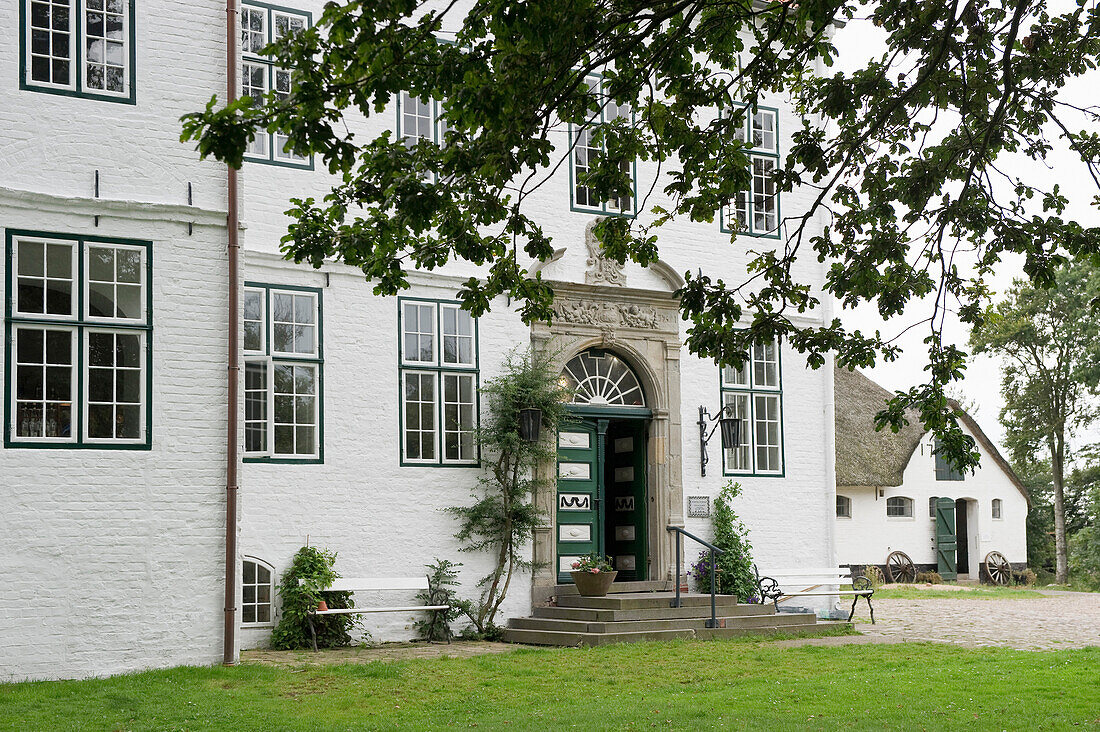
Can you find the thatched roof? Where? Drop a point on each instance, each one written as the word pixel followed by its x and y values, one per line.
pixel 866 456
pixel 869 458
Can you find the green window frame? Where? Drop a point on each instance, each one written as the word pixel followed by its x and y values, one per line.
pixel 753 395
pixel 260 25
pixel 78 341
pixel 944 469
pixel 438 365
pixel 284 382
pixel 756 212
pixel 78 48
pixel 582 151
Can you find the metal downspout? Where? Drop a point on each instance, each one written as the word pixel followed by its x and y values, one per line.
pixel 233 372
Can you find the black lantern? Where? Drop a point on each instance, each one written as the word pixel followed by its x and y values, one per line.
pixel 530 422
pixel 731 432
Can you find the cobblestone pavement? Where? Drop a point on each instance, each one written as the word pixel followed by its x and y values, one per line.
pixel 1058 620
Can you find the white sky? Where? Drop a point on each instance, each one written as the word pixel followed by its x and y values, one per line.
pixel 858 42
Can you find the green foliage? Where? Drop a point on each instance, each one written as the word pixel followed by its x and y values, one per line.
pixel 593 563
pixel 1049 342
pixel 503 517
pixel 1084 548
pixel 315 566
pixel 442 580
pixel 900 158
pixel 1025 577
pixel 733 574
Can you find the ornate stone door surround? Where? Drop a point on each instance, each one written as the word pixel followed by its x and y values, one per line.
pixel 642 327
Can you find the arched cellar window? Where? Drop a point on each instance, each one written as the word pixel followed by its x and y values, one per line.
pixel 602 379
pixel 899 507
pixel 257 592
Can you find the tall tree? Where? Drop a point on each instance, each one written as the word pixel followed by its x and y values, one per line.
pixel 901 159
pixel 1049 341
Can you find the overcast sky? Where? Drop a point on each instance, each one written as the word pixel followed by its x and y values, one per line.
pixel 858 42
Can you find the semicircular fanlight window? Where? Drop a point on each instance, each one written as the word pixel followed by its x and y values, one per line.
pixel 602 380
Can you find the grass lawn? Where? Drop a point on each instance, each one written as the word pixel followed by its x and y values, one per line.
pixel 694 685
pixel 917 592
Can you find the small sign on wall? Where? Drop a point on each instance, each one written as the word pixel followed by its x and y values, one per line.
pixel 698 506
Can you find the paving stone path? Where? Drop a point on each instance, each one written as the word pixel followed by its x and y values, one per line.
pixel 1057 620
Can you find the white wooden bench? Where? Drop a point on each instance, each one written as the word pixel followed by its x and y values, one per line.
pixel 782 584
pixel 373 584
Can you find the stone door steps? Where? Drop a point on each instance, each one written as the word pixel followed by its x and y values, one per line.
pixel 630 616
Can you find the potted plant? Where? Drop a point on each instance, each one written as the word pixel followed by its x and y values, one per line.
pixel 593 575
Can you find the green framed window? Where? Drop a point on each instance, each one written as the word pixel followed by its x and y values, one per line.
pixel 753 395
pixel 78 357
pixel 756 211
pixel 283 378
pixel 438 354
pixel 262 24
pixel 585 151
pixel 78 48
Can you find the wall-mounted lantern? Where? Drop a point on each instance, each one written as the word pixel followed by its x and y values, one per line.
pixel 730 427
pixel 530 422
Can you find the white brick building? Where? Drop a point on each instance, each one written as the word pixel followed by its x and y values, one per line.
pixel 113 470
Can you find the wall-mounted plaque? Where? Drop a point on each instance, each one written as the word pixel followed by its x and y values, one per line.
pixel 574 532
pixel 624 475
pixel 574 502
pixel 574 471
pixel 624 533
pixel 698 506
pixel 624 503
pixel 626 562
pixel 574 440
pixel 624 444
pixel 565 564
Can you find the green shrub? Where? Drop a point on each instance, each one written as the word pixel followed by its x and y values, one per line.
pixel 933 578
pixel 1024 577
pixel 442 579
pixel 333 631
pixel 733 573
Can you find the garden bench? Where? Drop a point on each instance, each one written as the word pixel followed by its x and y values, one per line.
pixel 780 584
pixel 375 584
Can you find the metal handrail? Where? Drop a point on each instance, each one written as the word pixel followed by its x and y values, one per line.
pixel 713 622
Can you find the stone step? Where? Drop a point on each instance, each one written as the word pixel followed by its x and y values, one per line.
pixel 573 638
pixel 617 587
pixel 715 633
pixel 638 600
pixel 662 612
pixel 582 626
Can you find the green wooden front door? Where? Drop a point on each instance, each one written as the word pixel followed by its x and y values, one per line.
pixel 946 542
pixel 625 507
pixel 580 474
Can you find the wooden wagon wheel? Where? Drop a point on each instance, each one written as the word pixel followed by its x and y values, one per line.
pixel 997 568
pixel 900 568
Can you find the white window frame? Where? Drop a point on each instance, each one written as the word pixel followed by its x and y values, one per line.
pixel 270 151
pixel 73 280
pixel 746 201
pixel 271 359
pixel 86 375
pixel 438 369
pixel 997 509
pixel 842 500
pixel 743 384
pixel 78 53
pixel 907 506
pixel 74 367
pixel 608 208
pixel 272 584
pixel 87 283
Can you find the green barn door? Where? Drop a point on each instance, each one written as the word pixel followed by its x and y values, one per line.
pixel 945 538
pixel 579 478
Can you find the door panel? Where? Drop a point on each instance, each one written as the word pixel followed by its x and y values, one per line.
pixel 946 544
pixel 577 510
pixel 625 509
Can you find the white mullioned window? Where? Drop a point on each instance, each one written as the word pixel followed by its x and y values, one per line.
pixel 79 333
pixel 585 152
pixel 260 26
pixel 257 592
pixel 283 373
pixel 756 211
pixel 996 508
pixel 81 47
pixel 753 396
pixel 899 507
pixel 439 383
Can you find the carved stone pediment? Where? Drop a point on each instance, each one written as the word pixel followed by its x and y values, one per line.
pixel 608 315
